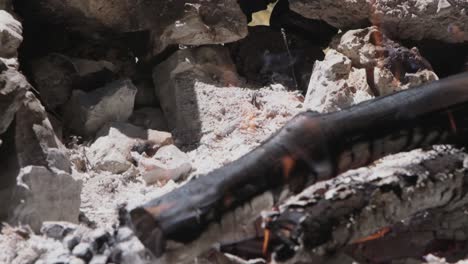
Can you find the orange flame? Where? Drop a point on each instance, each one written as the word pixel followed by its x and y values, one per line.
pixel 382 232
pixel 287 164
pixel 266 241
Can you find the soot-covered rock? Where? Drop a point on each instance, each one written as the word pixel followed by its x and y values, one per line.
pixel 268 56
pixel 192 22
pixel 86 113
pixel 56 75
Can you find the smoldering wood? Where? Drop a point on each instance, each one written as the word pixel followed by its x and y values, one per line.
pixel 379 214
pixel 310 148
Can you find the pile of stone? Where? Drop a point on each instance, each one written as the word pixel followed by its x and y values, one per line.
pixel 105 103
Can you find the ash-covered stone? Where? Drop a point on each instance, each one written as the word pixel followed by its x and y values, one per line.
pixel 361 65
pixel 57 230
pixel 115 141
pixel 169 163
pixel 45 195
pixel 175 80
pixel 83 251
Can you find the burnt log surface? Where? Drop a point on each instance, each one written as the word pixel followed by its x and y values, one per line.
pixel 310 148
pixel 411 205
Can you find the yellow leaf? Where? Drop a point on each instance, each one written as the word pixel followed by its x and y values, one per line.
pixel 262 18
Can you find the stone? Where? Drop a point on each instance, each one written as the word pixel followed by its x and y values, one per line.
pixel 169 163
pixel 86 113
pixel 57 230
pixel 402 19
pixel 44 195
pixel 111 150
pixel 175 79
pixel 124 234
pixel 150 118
pixel 10 35
pixel 99 259
pixel 36 142
pixel 335 84
pixel 13 88
pixel 56 75
pixel 70 241
pixel 193 22
pixel 360 65
pixel 83 251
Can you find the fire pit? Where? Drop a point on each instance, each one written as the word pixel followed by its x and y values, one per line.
pixel 228 131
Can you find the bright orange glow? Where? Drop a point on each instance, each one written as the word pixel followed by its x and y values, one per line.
pixel 382 232
pixel 266 241
pixel 288 164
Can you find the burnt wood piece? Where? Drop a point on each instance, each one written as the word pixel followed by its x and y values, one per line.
pixel 311 147
pixel 378 214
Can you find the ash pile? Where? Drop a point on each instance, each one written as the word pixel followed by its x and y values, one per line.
pixel 106 105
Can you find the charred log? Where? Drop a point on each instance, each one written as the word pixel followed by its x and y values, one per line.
pixel 380 214
pixel 310 148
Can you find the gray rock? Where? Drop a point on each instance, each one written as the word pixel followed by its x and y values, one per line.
pixel 124 234
pixel 111 150
pixel 70 241
pixel 193 22
pixel 44 195
pixel 175 81
pixel 10 35
pixel 36 143
pixel 99 259
pixel 363 64
pixel 169 163
pixel 57 230
pixel 86 113
pixel 83 251
pixel 403 19
pixel 56 75
pixel 12 91
pixel 151 118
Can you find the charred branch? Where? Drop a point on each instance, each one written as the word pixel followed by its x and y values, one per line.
pixel 310 148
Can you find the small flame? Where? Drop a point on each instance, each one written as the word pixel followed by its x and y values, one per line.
pixel 287 164
pixel 266 241
pixel 381 233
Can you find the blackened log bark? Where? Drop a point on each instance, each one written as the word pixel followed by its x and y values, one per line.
pixel 401 208
pixel 310 148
